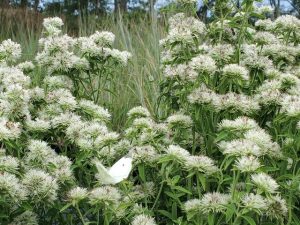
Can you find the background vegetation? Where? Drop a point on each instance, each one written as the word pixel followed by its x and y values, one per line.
pixel 136 25
pixel 219 146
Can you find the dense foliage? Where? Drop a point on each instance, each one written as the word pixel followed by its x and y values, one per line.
pixel 223 147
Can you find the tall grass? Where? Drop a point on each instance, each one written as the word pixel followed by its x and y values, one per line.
pixel 136 85
pixel 22 26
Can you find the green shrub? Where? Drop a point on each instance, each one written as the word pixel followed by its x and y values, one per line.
pixel 222 147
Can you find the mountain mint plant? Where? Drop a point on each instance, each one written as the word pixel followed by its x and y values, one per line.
pixel 222 149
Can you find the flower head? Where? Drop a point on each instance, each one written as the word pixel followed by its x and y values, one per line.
pixel 247 164
pixel 52 25
pixel 9 164
pixel 254 202
pixel 26 218
pixel 234 71
pixel 138 111
pixel 143 220
pixel 179 121
pixel 104 195
pixel 264 182
pixel 203 64
pixel 201 163
pixel 11 186
pixel 41 187
pixel 277 207
pixel 177 153
pixel 10 51
pixel 77 194
pixel 214 202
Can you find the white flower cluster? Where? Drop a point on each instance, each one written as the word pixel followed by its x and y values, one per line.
pixel 265 38
pixel 253 141
pixel 231 116
pixel 138 111
pixel 57 55
pixel 287 23
pixel 284 26
pixel 143 219
pixel 265 24
pixel 44 126
pixel 265 183
pixel 245 87
pixel 97 45
pixel 235 72
pixel 26 218
pixel 263 9
pixel 9 51
pixel 239 124
pixel 222 53
pixel 291 105
pixel 52 26
pixel 179 120
pixel 194 163
pixel 230 101
pixel 210 203
pixel 61 54
pixel 274 207
pixel 183 29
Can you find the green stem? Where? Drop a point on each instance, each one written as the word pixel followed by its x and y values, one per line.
pixel 91 86
pixel 106 220
pixel 98 219
pixel 235 180
pixel 236 219
pixel 242 30
pixel 80 215
pixel 158 195
pixel 198 185
pixel 290 208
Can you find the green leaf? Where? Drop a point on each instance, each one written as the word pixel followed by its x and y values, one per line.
pixel 221 136
pixel 210 219
pixel 182 189
pixel 172 195
pixel 165 213
pixel 269 169
pixel 164 159
pixel 249 220
pixel 174 211
pixel 202 181
pixel 228 162
pixel 230 212
pixel 190 174
pixel 175 179
pixel 141 169
pixel 65 207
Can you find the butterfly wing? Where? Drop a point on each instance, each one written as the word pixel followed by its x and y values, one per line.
pixel 103 174
pixel 121 169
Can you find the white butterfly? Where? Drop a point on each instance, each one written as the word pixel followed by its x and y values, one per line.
pixel 115 174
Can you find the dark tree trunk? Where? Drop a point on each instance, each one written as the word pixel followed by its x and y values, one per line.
pixel 276 5
pixel 277 9
pixel 36 5
pixel 120 6
pixel 151 6
pixel 24 3
pixel 4 3
pixel 97 6
pixel 202 11
pixel 238 4
pixel 123 5
pixel 296 6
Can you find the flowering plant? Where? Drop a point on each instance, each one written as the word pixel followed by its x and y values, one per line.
pixel 222 149
pixel 90 62
pixel 237 79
